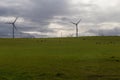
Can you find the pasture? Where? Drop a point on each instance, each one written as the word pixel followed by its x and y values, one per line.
pixel 84 58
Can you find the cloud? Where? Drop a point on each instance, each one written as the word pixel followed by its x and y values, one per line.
pixel 53 17
pixel 105 32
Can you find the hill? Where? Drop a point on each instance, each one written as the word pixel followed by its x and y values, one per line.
pixel 84 58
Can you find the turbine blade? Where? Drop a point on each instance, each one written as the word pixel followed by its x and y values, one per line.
pixel 15 20
pixel 73 22
pixel 14 26
pixel 79 21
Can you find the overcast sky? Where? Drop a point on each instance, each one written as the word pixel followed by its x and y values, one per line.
pixel 51 18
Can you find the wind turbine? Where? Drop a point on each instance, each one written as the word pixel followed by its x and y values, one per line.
pixel 13 24
pixel 76 24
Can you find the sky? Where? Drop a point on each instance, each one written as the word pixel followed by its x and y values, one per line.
pixel 52 18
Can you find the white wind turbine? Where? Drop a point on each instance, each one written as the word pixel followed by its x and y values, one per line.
pixel 14 27
pixel 76 24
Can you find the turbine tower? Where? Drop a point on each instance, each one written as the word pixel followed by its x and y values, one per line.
pixel 76 24
pixel 14 27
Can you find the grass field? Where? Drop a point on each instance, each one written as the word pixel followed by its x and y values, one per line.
pixel 84 58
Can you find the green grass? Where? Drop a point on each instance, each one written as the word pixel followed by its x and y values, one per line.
pixel 84 58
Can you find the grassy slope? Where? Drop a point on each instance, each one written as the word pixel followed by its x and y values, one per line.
pixel 86 58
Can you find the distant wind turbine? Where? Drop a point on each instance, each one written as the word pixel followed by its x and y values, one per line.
pixel 14 27
pixel 76 24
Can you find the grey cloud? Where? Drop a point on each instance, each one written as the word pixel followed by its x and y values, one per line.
pixel 41 13
pixel 105 32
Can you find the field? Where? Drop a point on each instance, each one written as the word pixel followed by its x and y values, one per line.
pixel 84 58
